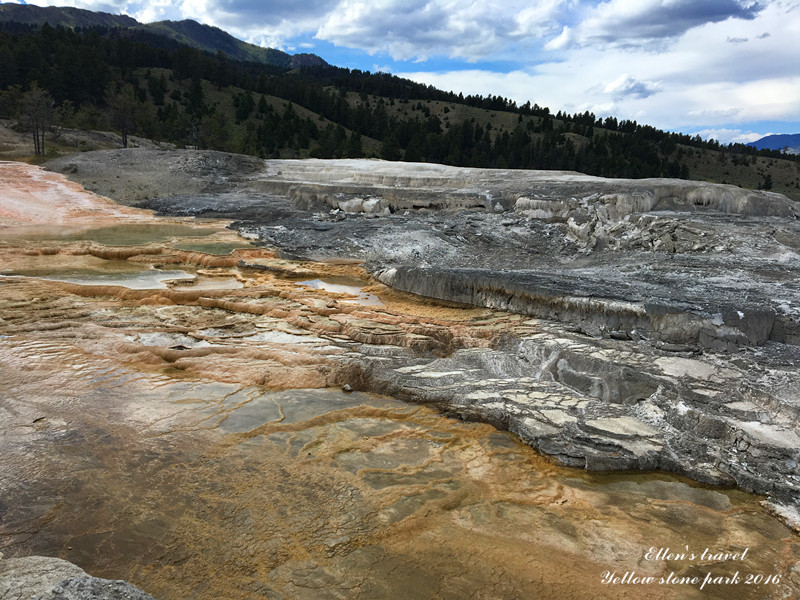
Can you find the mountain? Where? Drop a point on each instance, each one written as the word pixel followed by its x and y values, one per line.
pixel 779 142
pixel 66 17
pixel 213 39
pixel 187 32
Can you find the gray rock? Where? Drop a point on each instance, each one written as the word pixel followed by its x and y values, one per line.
pixel 46 578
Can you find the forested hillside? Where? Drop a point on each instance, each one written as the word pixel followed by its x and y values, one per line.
pixel 138 82
pixel 190 33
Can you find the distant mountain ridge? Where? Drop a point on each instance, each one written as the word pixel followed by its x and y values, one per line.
pixel 191 33
pixel 779 142
pixel 214 39
pixel 64 16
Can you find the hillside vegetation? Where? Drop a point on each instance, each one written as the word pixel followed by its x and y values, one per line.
pixel 187 32
pixel 139 83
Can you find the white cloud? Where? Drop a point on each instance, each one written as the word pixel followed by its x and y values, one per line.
pixel 155 10
pixel 649 23
pixel 730 136
pixel 703 82
pixel 626 86
pixel 540 18
pixel 564 39
pixel 267 23
pixel 419 29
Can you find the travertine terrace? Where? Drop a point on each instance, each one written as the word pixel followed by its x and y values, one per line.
pixel 173 404
pixel 661 321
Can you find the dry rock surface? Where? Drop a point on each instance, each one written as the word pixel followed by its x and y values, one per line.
pixel 206 405
pixel 44 578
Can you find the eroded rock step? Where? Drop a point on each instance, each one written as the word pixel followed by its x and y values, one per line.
pixel 601 407
pixel 595 403
pixel 602 308
pixel 678 262
pixel 686 267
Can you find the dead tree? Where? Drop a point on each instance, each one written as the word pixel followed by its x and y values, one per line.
pixel 124 109
pixel 37 114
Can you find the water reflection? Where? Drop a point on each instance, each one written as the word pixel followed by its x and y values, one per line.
pixel 344 285
pixel 150 279
pixel 126 234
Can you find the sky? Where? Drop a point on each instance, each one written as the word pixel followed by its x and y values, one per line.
pixel 725 69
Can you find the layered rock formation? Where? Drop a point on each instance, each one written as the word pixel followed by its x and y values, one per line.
pixel 666 311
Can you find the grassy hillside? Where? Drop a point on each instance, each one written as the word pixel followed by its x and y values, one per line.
pixel 723 165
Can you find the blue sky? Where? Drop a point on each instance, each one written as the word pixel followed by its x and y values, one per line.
pixel 728 69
